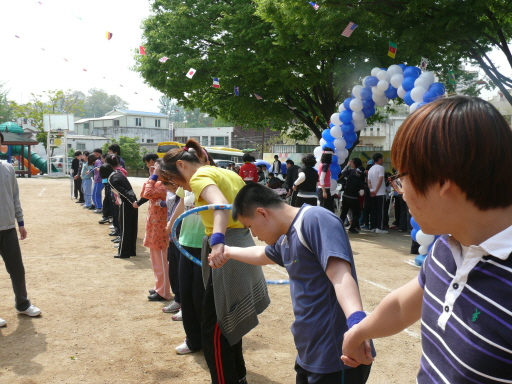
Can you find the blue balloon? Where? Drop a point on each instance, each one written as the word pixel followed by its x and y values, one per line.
pixel 408 83
pixel 335 170
pixel 346 103
pixel 347 128
pixel 414 232
pixel 408 99
pixel 328 145
pixel 326 135
pixel 414 224
pixel 412 72
pixel 430 96
pixel 371 81
pixel 391 93
pixel 437 88
pixel 334 159
pixel 346 117
pixel 368 104
pixel 421 104
pixel 350 137
pixel 331 125
pixel 366 93
pixel 369 112
pixel 403 66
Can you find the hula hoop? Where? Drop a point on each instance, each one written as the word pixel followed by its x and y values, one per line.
pixel 210 207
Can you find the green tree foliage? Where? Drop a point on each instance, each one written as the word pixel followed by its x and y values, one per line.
pixel 130 151
pixel 98 103
pixel 6 112
pixel 185 119
pixel 52 102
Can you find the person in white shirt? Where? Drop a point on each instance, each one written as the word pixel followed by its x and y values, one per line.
pixel 377 186
pixel 276 166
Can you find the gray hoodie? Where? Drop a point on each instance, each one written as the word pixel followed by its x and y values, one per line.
pixel 10 206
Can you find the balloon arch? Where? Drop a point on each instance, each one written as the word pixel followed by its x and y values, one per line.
pixel 415 87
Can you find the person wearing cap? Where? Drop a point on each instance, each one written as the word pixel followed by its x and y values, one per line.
pixel 10 213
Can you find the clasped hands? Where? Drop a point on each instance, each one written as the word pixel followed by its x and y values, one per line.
pixel 355 351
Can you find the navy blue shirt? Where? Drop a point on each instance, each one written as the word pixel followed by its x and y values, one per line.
pixel 315 235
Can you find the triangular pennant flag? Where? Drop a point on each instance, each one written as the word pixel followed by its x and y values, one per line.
pixel 163 59
pixel 314 5
pixel 142 50
pixel 258 97
pixel 108 35
pixel 191 72
pixel 216 83
pixel 237 91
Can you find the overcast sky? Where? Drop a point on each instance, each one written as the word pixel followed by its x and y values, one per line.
pixel 75 30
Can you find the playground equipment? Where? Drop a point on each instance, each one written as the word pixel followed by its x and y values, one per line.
pixel 36 160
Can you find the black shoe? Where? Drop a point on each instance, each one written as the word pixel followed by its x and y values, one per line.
pixel 116 240
pixel 103 221
pixel 113 233
pixel 92 208
pixel 151 291
pixel 79 202
pixel 121 257
pixel 155 297
pixel 353 231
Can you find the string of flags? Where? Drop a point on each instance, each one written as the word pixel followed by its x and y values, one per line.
pixel 349 29
pixel 314 5
pixel 216 83
pixel 392 50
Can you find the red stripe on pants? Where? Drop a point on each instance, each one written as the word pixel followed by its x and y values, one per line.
pixel 218 355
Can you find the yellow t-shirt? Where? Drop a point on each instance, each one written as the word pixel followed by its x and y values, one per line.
pixel 229 184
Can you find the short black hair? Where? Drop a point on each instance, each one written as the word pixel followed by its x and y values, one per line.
pixel 106 170
pixel 1 137
pixel 276 156
pixel 86 153
pixel 150 156
pixel 252 196
pixel 78 153
pixel 357 162
pixel 115 148
pixel 98 150
pixel 377 156
pixel 246 158
pixel 309 160
pixel 290 161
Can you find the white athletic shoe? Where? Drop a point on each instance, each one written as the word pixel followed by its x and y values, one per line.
pixel 178 316
pixel 380 231
pixel 173 307
pixel 31 311
pixel 111 226
pixel 3 323
pixel 183 349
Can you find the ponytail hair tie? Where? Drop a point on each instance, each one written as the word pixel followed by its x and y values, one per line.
pixel 185 149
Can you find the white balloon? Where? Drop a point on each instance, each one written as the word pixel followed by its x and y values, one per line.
pixel 429 76
pixel 333 186
pixel 341 108
pixel 322 141
pixel 356 116
pixel 342 153
pixel 317 152
pixel 412 108
pixel 383 85
pixel 382 75
pixel 417 94
pixel 395 69
pixel 335 119
pixel 423 250
pixel 356 91
pixel 341 160
pixel 358 125
pixel 376 98
pixel 364 79
pixel 339 143
pixel 336 131
pixel 424 239
pixel 375 70
pixel 356 104
pixel 381 102
pixel 377 91
pixel 397 79
pixel 401 92
pixel 422 82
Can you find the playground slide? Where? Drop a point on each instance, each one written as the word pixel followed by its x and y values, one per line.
pixel 33 169
pixel 36 160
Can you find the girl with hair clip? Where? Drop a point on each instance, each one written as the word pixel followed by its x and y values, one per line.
pixel 324 181
pixel 156 237
pixel 234 296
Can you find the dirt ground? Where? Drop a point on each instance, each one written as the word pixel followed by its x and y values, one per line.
pixel 98 327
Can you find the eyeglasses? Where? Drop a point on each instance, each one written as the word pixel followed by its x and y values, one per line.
pixel 396 182
pixel 166 183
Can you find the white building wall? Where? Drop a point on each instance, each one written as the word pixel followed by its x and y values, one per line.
pixel 205 135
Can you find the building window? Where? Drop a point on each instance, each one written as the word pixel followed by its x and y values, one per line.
pixel 219 141
pixel 80 146
pixel 181 139
pixel 197 138
pixel 149 141
pixel 116 123
pixel 157 123
pixel 25 121
pixel 204 141
pixel 142 140
pixel 138 122
pixel 86 125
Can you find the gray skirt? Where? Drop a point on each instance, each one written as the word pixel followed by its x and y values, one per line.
pixel 240 289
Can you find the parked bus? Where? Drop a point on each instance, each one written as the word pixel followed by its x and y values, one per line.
pixel 166 146
pixel 224 156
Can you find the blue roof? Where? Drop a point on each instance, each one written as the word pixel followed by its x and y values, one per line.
pixel 140 113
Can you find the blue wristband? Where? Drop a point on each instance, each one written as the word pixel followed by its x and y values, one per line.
pixel 355 318
pixel 153 177
pixel 21 223
pixel 217 238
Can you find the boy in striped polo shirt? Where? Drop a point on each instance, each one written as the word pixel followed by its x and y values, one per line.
pixel 446 153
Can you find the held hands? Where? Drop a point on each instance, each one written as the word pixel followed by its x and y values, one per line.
pixel 373 194
pixel 355 353
pixel 294 187
pixel 168 227
pixel 219 256
pixel 135 205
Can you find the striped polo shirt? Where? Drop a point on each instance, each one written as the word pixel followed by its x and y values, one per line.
pixel 466 320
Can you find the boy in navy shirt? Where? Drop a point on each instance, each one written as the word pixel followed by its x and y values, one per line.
pixel 312 245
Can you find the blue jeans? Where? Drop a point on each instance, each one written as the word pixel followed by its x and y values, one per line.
pixel 87 187
pixel 96 195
